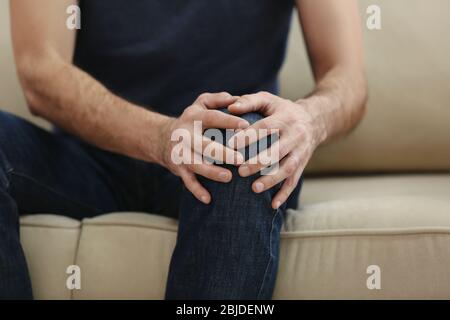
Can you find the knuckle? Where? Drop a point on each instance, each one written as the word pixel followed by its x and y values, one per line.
pixel 291 120
pixel 190 112
pixel 289 185
pixel 190 180
pixel 282 197
pixel 265 94
pixel 203 96
pixel 216 114
pixel 283 150
pixel 246 98
pixel 290 169
pixel 208 172
pixel 273 180
pixel 300 130
pixel 294 162
pixel 188 183
pixel 285 101
pixel 273 124
pixel 264 124
pixel 208 116
pixel 195 184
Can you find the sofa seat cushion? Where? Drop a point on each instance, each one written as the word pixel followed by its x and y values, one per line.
pixel 400 224
pixel 436 186
pixel 50 243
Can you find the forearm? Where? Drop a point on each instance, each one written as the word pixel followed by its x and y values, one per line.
pixel 77 103
pixel 337 103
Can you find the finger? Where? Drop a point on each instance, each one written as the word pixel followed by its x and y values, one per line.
pixel 252 103
pixel 216 100
pixel 288 186
pixel 253 133
pixel 277 151
pixel 287 168
pixel 192 184
pixel 220 120
pixel 215 151
pixel 211 172
pixel 208 150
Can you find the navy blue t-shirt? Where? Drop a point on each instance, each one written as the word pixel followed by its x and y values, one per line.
pixel 164 53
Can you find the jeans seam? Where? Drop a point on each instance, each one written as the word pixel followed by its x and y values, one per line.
pixel 7 175
pixel 270 255
pixel 8 169
pixel 12 172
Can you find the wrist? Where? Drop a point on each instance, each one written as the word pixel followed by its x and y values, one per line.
pixel 155 142
pixel 164 140
pixel 316 111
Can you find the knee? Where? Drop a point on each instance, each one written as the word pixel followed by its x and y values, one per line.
pixel 239 189
pixel 251 117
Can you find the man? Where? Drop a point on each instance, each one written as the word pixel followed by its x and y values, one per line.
pixel 136 71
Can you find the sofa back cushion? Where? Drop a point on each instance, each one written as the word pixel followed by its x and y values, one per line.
pixel 407 125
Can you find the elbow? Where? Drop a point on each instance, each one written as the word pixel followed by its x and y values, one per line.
pixel 34 77
pixel 364 99
pixel 361 97
pixel 361 112
pixel 32 100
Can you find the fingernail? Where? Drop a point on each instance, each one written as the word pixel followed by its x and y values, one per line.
pixel 243 124
pixel 204 199
pixel 277 204
pixel 237 104
pixel 223 176
pixel 244 171
pixel 259 187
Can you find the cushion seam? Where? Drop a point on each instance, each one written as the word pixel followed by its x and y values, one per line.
pixel 97 224
pixel 368 232
pixel 75 256
pixel 31 225
pixel 301 234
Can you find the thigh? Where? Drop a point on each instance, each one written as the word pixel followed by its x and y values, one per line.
pixel 159 190
pixel 54 173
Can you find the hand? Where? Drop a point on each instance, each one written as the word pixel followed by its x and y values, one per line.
pixel 300 133
pixel 198 111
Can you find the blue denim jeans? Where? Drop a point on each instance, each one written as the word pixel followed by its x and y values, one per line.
pixel 225 250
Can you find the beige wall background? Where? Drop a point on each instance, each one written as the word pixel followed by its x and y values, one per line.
pixel 407 127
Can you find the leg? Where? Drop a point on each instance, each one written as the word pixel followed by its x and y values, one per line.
pixel 43 172
pixel 229 248
pixel 14 280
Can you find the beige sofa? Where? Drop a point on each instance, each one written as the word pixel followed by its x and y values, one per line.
pixel 378 197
